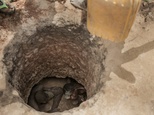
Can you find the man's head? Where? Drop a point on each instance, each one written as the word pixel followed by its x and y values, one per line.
pixel 68 90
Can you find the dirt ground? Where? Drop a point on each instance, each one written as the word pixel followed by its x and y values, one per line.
pixel 124 92
pixel 12 22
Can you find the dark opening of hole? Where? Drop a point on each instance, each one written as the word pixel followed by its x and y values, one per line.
pixel 53 94
pixel 54 51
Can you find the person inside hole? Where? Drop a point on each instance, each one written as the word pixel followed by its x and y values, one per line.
pixel 45 99
pixel 75 92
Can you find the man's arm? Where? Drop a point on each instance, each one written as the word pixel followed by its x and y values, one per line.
pixel 58 93
pixel 31 101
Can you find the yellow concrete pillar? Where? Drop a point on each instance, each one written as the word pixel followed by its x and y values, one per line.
pixel 111 19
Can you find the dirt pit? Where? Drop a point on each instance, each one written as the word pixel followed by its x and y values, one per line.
pixel 54 51
pixel 124 90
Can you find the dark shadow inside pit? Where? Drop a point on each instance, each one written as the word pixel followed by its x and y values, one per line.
pixel 52 82
pixel 54 51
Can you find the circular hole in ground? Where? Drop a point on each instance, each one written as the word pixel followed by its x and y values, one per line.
pixel 53 51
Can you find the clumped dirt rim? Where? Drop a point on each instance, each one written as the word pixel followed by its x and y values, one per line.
pixel 53 51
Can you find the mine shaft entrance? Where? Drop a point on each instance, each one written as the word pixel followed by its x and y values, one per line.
pixel 54 51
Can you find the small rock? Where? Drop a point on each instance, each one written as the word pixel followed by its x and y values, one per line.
pixel 15 93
